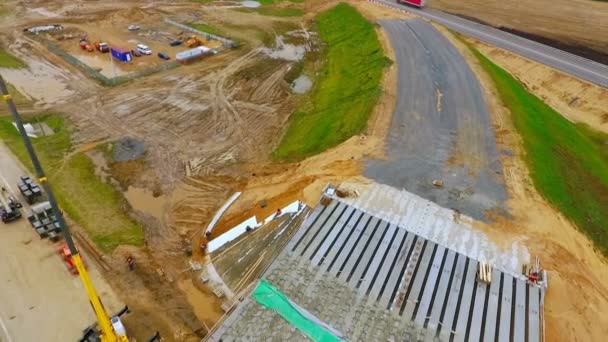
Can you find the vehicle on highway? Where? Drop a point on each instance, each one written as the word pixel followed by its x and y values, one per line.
pixel 175 42
pixel 163 56
pixel 136 53
pixel 144 49
pixel 133 27
pixel 417 3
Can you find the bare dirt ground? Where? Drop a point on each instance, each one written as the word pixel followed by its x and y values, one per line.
pixel 577 298
pixel 577 22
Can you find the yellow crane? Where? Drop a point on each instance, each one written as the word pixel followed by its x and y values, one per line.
pixel 106 331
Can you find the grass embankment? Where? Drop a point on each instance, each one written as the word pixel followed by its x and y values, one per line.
pixel 346 91
pixel 207 28
pixel 568 162
pixel 91 203
pixel 274 11
pixel 9 61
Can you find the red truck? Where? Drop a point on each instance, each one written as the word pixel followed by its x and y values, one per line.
pixel 417 3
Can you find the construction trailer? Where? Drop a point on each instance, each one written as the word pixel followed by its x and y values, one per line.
pixel 192 55
pixel 121 54
pixel 416 3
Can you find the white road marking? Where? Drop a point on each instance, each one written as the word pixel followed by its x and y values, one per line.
pixel 8 336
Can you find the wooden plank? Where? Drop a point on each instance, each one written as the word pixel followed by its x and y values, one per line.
pixel 441 297
pixel 380 260
pixel 348 246
pixel 423 267
pixel 323 231
pixel 445 323
pixel 305 226
pixel 504 330
pixel 299 247
pixel 385 267
pixel 357 248
pixel 341 240
pixel 465 301
pixel 478 311
pixel 533 314
pixel 429 287
pixel 341 225
pixel 492 312
pixel 393 280
pixel 377 242
pixel 519 325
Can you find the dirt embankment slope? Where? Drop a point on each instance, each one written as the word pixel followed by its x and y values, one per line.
pixel 576 22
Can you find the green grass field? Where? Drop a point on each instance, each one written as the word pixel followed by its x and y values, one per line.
pixel 9 61
pixel 91 203
pixel 274 11
pixel 207 28
pixel 346 90
pixel 568 162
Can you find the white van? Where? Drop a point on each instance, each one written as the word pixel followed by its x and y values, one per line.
pixel 144 49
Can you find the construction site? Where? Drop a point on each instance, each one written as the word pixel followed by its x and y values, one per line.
pixel 303 170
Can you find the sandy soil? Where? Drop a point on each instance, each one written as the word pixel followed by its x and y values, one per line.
pixel 584 22
pixel 577 299
pixel 575 99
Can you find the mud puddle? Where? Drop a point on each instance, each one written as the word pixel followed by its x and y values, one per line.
pixel 143 200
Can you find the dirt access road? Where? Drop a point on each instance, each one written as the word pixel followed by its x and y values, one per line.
pixel 35 285
pixel 441 128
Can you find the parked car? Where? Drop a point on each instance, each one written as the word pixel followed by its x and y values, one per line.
pixel 163 56
pixel 144 49
pixel 175 43
pixel 133 27
pixel 136 53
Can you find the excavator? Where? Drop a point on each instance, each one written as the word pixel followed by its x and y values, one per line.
pixel 194 41
pixel 107 328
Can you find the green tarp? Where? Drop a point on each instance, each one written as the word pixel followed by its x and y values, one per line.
pixel 270 297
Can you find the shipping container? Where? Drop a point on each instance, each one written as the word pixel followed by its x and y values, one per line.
pixel 193 54
pixel 121 54
pixel 417 3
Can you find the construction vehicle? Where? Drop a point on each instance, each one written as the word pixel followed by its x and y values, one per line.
pixel 105 329
pixel 9 207
pixel 85 45
pixel 66 256
pixel 416 3
pixel 102 47
pixel 194 41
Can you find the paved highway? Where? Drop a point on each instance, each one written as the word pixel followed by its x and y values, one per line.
pixel 566 62
pixel 441 128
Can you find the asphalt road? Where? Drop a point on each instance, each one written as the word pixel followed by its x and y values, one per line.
pixel 566 62
pixel 39 299
pixel 441 129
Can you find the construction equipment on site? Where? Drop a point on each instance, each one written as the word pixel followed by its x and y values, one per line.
pixel 102 47
pixel 85 45
pixel 104 330
pixel 66 256
pixel 30 190
pixel 9 207
pixel 194 41
pixel 45 221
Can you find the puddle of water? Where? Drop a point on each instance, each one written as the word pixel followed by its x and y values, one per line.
pixel 285 51
pixel 40 81
pixel 250 4
pixel 142 200
pixel 108 67
pixel 205 305
pixel 301 84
